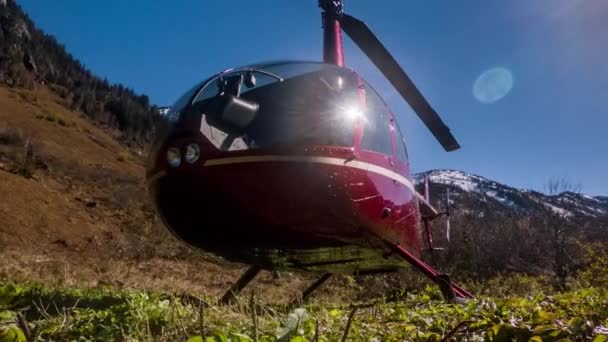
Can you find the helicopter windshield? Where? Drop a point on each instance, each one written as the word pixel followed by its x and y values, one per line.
pixel 285 103
pixel 265 73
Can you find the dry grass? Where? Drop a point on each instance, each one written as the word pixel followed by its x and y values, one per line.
pixel 79 140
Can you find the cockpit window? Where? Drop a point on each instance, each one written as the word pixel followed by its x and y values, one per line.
pixel 179 105
pixel 289 69
pixel 377 135
pixel 400 144
pixel 262 72
pixel 263 105
pixel 212 86
pixel 318 108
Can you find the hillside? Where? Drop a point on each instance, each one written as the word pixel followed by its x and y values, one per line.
pixel 496 228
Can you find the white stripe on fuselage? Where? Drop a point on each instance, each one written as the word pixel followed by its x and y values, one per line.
pixel 317 160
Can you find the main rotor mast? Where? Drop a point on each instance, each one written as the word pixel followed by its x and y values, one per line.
pixel 333 51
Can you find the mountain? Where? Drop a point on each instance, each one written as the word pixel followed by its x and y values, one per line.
pixel 164 110
pixel 30 58
pixel 496 228
pixel 478 195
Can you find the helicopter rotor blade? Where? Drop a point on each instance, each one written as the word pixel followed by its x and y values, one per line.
pixel 379 55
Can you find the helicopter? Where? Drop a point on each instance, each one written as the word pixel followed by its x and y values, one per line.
pixel 296 165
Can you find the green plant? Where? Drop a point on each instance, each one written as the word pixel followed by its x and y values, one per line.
pixel 69 313
pixel 595 274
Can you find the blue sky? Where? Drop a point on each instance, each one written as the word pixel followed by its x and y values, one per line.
pixel 552 123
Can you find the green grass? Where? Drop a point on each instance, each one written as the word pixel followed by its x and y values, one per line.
pixel 103 313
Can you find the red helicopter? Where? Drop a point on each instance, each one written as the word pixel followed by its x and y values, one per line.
pixel 298 165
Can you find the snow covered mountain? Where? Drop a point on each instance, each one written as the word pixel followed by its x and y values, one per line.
pixel 478 195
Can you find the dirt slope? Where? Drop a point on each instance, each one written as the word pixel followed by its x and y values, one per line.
pixel 74 158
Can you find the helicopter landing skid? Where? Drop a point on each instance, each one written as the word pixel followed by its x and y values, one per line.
pixel 239 285
pixel 306 293
pixel 252 272
pixel 230 295
pixel 450 290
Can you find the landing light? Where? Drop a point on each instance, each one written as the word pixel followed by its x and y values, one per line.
pixel 174 157
pixel 192 153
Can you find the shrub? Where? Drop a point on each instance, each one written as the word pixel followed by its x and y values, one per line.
pixel 51 117
pixel 11 136
pixel 514 284
pixel 18 148
pixel 122 156
pixel 595 273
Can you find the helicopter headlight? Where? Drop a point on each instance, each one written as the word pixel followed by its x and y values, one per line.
pixel 192 153
pixel 174 157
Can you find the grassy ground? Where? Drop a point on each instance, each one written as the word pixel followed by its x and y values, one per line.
pixel 105 313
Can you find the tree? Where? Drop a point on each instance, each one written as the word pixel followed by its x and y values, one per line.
pixel 559 224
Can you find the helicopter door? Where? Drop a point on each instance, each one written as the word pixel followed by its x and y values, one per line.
pixel 377 141
pixel 376 149
pixel 406 218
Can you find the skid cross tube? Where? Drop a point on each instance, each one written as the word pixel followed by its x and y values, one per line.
pixel 240 284
pixel 440 279
pixel 429 233
pixel 306 293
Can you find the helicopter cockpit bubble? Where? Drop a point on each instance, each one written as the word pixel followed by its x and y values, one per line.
pixel 265 105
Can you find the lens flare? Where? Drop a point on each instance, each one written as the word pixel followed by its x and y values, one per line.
pixel 353 113
pixel 493 85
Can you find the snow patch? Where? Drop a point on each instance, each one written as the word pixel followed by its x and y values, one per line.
pixel 591 198
pixel 458 179
pixel 494 194
pixel 163 110
pixel 559 211
pixel 566 204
